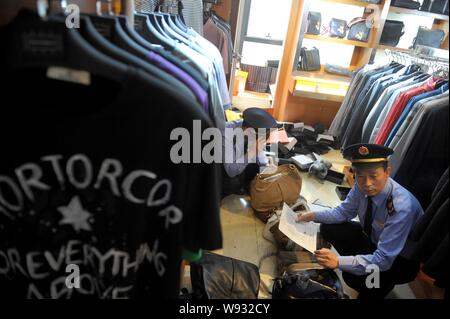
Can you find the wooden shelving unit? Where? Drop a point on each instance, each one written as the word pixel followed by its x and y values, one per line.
pixel 294 101
pixel 352 3
pixel 321 75
pixel 387 47
pixel 319 96
pixel 361 53
pixel 337 41
pixel 419 13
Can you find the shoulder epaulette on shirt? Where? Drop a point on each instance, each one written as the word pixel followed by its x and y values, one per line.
pixel 390 206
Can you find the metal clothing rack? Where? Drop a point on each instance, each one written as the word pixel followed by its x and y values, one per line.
pixel 430 64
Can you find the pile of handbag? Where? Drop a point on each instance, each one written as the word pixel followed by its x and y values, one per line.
pixel 394 30
pixel 299 276
pixel 308 140
pixel 434 6
pixel 220 277
pixel 357 29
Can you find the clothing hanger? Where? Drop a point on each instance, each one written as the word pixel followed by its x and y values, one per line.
pixel 164 21
pixel 110 27
pixel 123 20
pixel 158 49
pixel 171 21
pixel 180 23
pixel 123 24
pixel 155 20
pixel 146 29
pixel 112 45
pixel 95 38
pixel 67 48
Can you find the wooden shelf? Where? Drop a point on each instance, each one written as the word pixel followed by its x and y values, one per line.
pixel 352 3
pixel 319 96
pixel 337 40
pixel 387 47
pixel 419 13
pixel 321 75
pixel 319 86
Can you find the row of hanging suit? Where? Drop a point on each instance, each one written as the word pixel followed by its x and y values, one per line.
pixel 90 119
pixel 180 51
pixel 196 16
pixel 405 109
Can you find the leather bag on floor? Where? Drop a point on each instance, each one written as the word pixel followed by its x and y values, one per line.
pixel 269 192
pixel 309 284
pixel 220 277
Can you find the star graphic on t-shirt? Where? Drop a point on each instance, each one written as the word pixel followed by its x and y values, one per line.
pixel 75 215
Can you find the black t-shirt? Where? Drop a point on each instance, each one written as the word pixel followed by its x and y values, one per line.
pixel 86 179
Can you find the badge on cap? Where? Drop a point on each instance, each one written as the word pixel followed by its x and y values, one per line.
pixel 364 151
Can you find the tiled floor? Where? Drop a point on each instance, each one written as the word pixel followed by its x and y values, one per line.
pixel 242 231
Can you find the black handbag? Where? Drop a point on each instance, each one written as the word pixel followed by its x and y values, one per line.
pixel 339 70
pixel 308 284
pixel 338 28
pixel 310 59
pixel 429 38
pixel 392 32
pixel 314 23
pixel 408 4
pixel 435 6
pixel 219 277
pixel 358 30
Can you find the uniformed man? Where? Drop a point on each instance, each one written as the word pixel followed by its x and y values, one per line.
pixel 246 158
pixel 387 213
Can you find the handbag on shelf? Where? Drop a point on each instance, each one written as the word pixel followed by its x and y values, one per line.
pixel 408 4
pixel 429 38
pixel 392 32
pixel 309 59
pixel 339 70
pixel 435 6
pixel 314 23
pixel 338 28
pixel 358 30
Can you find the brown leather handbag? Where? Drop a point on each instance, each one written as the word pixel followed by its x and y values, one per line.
pixel 268 192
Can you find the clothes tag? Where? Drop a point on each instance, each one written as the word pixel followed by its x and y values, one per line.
pixel 69 75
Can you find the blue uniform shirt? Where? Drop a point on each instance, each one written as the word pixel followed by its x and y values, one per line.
pixel 389 232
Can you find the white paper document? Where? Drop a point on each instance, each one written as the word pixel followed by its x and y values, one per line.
pixel 303 234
